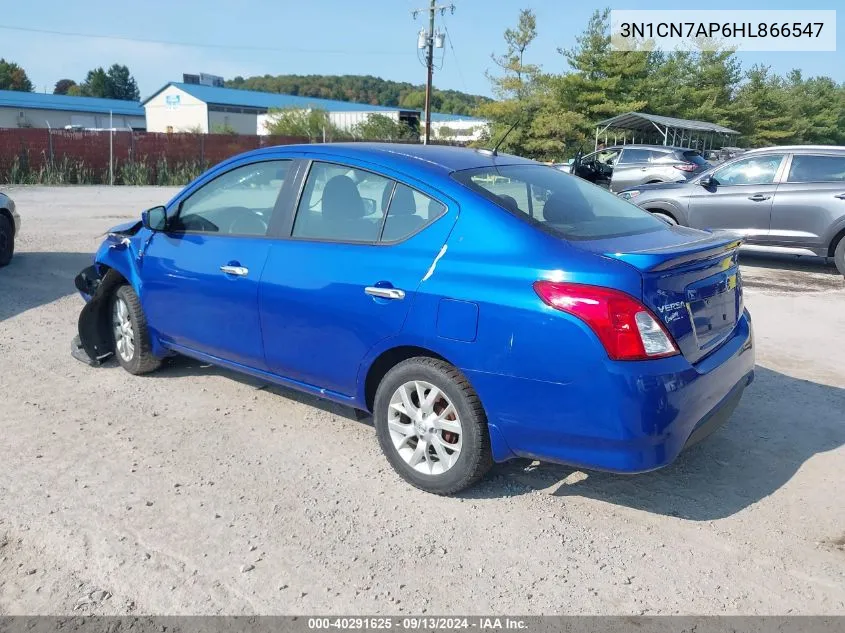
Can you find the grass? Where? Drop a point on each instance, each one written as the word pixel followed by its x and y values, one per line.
pixel 69 170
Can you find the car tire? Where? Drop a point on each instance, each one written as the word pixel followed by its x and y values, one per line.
pixel 130 336
pixel 668 219
pixel 7 240
pixel 455 451
pixel 839 255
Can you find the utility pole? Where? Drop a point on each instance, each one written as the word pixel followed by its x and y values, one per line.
pixel 429 40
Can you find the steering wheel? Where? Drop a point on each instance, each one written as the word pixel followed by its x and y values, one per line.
pixel 245 222
pixel 197 223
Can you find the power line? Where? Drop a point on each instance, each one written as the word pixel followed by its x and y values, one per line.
pixel 455 55
pixel 243 47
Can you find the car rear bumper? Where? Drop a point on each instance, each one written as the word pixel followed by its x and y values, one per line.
pixel 636 418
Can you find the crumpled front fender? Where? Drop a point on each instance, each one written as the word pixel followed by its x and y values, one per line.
pixel 116 263
pixel 94 343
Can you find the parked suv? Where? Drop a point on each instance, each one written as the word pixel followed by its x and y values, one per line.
pixel 788 199
pixel 622 166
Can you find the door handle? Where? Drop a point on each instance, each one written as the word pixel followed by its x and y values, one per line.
pixel 238 271
pixel 758 197
pixel 841 196
pixel 385 293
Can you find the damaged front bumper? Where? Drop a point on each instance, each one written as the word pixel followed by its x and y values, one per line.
pixel 92 345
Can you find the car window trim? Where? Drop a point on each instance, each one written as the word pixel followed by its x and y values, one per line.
pixel 811 182
pixel 220 174
pixel 307 166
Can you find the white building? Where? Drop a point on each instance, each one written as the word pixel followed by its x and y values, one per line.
pixel 457 128
pixel 183 107
pixel 39 110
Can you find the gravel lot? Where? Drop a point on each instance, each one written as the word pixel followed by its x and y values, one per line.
pixel 196 491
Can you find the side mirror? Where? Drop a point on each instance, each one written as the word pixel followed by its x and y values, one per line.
pixel 708 181
pixel 154 219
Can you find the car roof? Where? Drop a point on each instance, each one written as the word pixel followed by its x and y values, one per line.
pixel 444 158
pixel 668 148
pixel 798 148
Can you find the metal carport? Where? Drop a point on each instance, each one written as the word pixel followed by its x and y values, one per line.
pixel 638 127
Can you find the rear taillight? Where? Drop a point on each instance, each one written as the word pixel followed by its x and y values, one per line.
pixel 686 166
pixel 627 329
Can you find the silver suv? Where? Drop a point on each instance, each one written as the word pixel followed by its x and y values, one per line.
pixel 787 199
pixel 623 166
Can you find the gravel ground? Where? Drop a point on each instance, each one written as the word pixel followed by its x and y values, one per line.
pixel 196 491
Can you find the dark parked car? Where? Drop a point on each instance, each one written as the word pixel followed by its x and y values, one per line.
pixel 786 199
pixel 477 320
pixel 622 166
pixel 10 225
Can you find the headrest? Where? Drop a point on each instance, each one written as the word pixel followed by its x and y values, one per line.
pixel 341 200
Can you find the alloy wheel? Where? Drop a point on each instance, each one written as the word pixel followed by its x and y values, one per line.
pixel 124 334
pixel 425 427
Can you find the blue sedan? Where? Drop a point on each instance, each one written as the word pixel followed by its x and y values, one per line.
pixel 481 306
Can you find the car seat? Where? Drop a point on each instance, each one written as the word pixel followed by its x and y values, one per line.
pixel 343 212
pixel 402 218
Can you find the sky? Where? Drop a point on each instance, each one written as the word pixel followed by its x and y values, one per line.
pixel 370 37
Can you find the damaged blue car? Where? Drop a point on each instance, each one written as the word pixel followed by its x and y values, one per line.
pixel 481 306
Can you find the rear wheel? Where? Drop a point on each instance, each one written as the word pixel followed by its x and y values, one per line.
pixel 668 219
pixel 130 335
pixel 839 255
pixel 7 240
pixel 431 426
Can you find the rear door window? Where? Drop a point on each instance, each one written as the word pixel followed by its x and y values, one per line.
pixel 559 203
pixel 341 204
pixel 811 168
pixel 409 212
pixel 635 156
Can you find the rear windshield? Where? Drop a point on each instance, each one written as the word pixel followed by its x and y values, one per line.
pixel 695 157
pixel 563 204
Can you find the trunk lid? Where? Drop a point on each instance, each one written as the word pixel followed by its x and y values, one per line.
pixel 691 281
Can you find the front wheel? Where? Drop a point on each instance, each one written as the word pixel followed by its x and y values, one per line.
pixel 431 426
pixel 839 255
pixel 130 335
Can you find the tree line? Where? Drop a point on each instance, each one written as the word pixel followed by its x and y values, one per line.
pixel 362 89
pixel 558 111
pixel 115 83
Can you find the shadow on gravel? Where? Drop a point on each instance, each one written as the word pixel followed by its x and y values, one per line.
pixel 780 423
pixel 35 279
pixel 184 366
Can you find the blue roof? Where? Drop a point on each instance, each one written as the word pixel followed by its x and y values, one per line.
pixel 41 101
pixel 266 100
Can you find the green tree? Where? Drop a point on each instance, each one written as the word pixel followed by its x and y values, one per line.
pixel 121 84
pixel 62 86
pixel 313 124
pixel 517 85
pixel 116 83
pixel 817 109
pixel 762 109
pixel 602 82
pixel 13 77
pixel 378 127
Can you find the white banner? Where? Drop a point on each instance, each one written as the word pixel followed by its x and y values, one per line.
pixel 764 30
